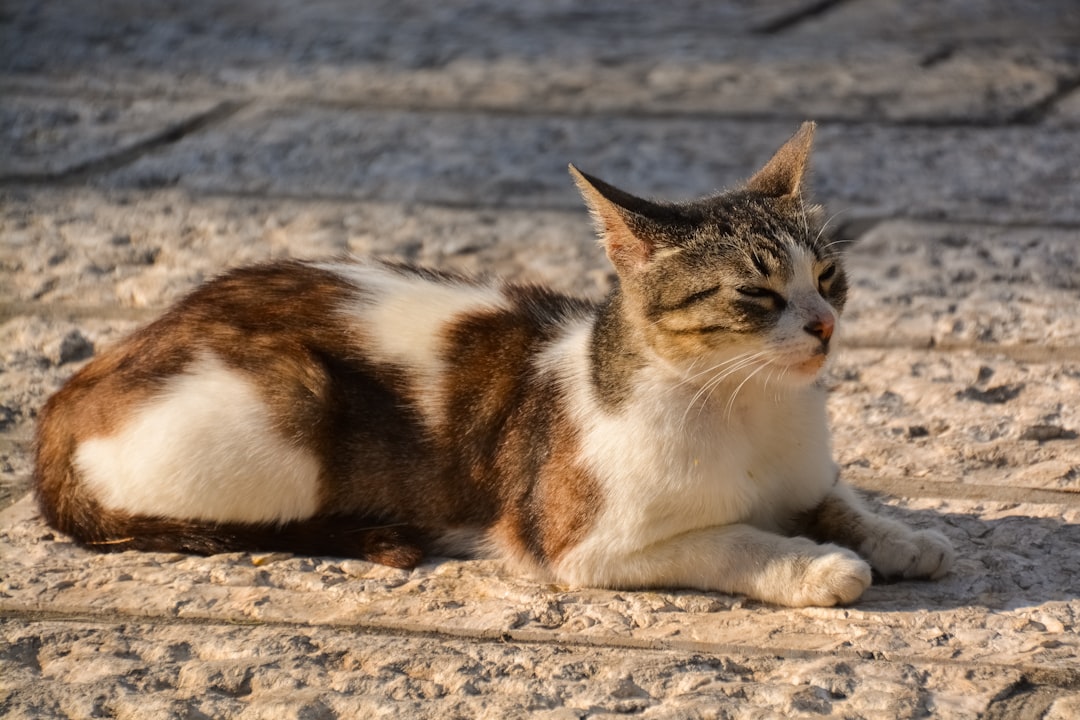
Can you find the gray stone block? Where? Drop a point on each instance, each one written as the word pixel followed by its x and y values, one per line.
pixel 49 136
pixel 534 57
pixel 956 21
pixel 956 418
pixel 957 285
pixel 975 174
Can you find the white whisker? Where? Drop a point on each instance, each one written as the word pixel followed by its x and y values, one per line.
pixel 824 227
pixel 733 365
pixel 731 400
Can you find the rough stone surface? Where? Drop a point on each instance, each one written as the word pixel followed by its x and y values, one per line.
pixel 473 158
pixel 1067 112
pixel 697 57
pixel 47 136
pixel 147 147
pixel 952 284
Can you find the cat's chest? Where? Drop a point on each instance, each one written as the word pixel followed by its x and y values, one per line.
pixel 756 462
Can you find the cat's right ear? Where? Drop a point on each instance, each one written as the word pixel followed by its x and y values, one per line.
pixel 628 236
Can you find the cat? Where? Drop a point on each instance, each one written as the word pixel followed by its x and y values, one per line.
pixel 672 435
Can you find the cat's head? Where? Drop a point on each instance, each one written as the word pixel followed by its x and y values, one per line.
pixel 747 277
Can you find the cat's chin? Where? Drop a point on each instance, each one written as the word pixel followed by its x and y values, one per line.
pixel 812 366
pixel 807 370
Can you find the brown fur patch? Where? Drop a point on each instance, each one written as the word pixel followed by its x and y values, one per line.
pixel 506 428
pixel 614 352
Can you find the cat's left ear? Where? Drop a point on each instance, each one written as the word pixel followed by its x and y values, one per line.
pixel 632 229
pixel 783 175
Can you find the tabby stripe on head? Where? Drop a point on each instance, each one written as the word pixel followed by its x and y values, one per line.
pixel 693 299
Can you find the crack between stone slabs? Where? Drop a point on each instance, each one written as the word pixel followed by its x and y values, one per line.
pixel 116 160
pixel 850 225
pixel 854 212
pixel 1039 110
pixel 893 486
pixel 1035 354
pixel 635 113
pixel 1067 679
pixel 916 488
pixel 789 20
pixel 9 310
pixel 287 100
pixel 1020 353
pixel 1021 699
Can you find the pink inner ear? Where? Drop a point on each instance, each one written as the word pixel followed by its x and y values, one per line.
pixel 625 249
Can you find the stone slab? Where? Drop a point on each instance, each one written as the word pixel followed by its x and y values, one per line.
pixel 949 20
pixel 409 33
pixel 138 670
pixel 1008 610
pixel 972 174
pixel 956 417
pixel 1066 113
pixel 939 284
pixel 913 98
pixel 136 250
pixel 884 83
pixel 527 57
pixel 49 136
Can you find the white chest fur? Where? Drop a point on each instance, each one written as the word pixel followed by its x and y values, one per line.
pixel 665 471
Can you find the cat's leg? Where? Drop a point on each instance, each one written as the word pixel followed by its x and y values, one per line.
pixel 893 549
pixel 733 558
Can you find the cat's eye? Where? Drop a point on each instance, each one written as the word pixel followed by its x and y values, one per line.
pixel 762 293
pixel 823 280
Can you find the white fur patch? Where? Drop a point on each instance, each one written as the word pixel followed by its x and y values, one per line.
pixel 404 319
pixel 667 473
pixel 204 449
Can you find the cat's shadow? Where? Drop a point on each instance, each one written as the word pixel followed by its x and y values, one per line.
pixel 1002 563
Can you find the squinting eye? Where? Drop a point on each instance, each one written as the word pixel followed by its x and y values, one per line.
pixel 827 274
pixel 761 293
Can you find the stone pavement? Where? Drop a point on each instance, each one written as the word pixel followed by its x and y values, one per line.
pixel 147 146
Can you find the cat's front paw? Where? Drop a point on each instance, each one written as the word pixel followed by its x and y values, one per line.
pixel 838 577
pixel 913 554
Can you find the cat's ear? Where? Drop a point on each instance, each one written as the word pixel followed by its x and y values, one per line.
pixel 783 175
pixel 625 224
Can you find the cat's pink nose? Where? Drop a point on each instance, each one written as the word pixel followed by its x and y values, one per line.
pixel 821 327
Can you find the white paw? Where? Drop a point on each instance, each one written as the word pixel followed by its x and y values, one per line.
pixel 913 554
pixel 838 577
pixel 936 555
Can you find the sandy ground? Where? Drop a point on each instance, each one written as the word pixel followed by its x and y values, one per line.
pixel 147 147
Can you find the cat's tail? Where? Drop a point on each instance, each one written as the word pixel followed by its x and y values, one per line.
pixel 336 536
pixel 363 538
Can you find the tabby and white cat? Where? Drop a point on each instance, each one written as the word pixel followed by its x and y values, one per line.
pixel 672 435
